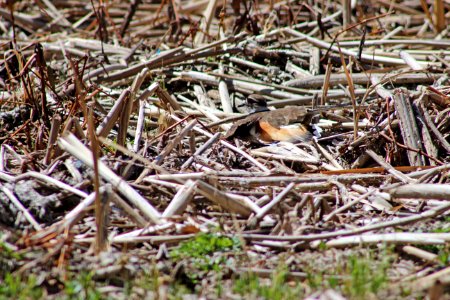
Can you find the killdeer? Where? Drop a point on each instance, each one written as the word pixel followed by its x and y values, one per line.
pixel 288 124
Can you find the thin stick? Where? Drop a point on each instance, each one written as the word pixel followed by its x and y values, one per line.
pixel 22 208
pixel 72 145
pixel 228 145
pixel 439 13
pixel 351 89
pixel 200 150
pixel 399 175
pixel 56 124
pixel 159 159
pixel 346 13
pixel 321 236
pixel 139 126
pixel 264 210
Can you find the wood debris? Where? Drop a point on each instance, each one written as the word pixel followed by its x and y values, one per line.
pixel 141 108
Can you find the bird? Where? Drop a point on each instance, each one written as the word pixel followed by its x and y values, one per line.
pixel 265 126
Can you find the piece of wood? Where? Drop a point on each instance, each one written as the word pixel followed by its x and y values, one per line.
pixel 408 126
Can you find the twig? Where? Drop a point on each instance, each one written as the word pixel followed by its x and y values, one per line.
pixel 399 175
pixel 400 238
pixel 181 199
pixel 226 144
pixel 200 151
pixel 264 210
pixel 364 56
pixel 422 191
pixel 72 145
pixel 409 129
pixel 173 143
pixel 21 208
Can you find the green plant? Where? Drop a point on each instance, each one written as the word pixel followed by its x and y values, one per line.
pixel 204 253
pixel 365 276
pixel 445 229
pixel 355 276
pixel 148 280
pixel 314 279
pixel 443 253
pixel 249 285
pixel 205 244
pixel 177 291
pixel 16 287
pixel 8 253
pixel 444 256
pixel 9 259
pixel 82 286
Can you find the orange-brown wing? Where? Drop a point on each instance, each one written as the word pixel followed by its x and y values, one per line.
pixel 270 125
pixel 290 133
